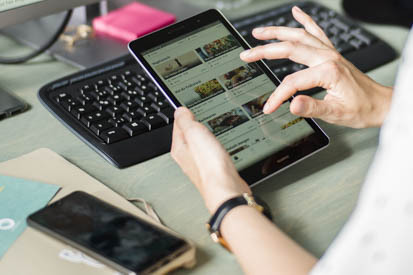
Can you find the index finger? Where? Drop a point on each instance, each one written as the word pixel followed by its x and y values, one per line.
pixel 310 26
pixel 288 34
pixel 294 51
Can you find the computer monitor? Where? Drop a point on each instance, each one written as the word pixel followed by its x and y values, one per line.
pixel 14 12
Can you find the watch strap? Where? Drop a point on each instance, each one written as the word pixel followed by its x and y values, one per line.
pixel 215 221
pixel 222 211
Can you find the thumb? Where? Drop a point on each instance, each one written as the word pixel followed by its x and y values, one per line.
pixel 306 106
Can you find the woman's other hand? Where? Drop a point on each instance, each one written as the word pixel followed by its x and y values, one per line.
pixel 353 99
pixel 203 159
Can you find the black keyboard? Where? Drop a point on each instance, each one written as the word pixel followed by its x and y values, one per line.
pixel 122 115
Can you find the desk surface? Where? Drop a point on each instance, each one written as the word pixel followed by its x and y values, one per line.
pixel 310 201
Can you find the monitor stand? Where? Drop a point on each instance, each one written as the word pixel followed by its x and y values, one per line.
pixel 93 51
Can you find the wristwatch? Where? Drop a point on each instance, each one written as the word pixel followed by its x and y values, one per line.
pixel 215 221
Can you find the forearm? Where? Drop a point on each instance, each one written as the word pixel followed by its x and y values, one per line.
pixel 261 248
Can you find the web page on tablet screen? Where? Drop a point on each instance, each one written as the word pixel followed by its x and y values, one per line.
pixel 204 72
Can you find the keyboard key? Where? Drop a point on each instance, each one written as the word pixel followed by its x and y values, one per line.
pixel 129 105
pixel 325 24
pixel 340 24
pixel 114 111
pixel 109 90
pixel 137 81
pixel 127 74
pixel 143 78
pixel 167 119
pixel 155 95
pixel 61 96
pixel 146 110
pixel 345 36
pixel 131 116
pixel 99 95
pixel 142 100
pixel 114 78
pixel 86 89
pixel 125 85
pixel 333 31
pixel 101 83
pixel 356 43
pixel 344 48
pixel 68 103
pixel 117 121
pixel 129 95
pixel 90 118
pixel 158 106
pixel 84 100
pixel 139 91
pixel 82 110
pixel 115 99
pixel 153 121
pixel 113 135
pixel 100 126
pixel 362 36
pixel 135 128
pixel 101 104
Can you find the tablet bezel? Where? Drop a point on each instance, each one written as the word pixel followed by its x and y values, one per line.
pixel 260 170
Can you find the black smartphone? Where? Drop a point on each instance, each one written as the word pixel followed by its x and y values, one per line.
pixel 114 237
pixel 10 105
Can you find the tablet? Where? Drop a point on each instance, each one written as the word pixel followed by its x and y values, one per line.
pixel 196 63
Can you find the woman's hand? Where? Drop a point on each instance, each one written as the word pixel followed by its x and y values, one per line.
pixel 259 246
pixel 353 99
pixel 203 159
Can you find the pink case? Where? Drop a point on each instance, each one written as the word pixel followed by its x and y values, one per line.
pixel 131 21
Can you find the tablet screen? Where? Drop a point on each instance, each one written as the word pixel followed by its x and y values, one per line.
pixel 205 73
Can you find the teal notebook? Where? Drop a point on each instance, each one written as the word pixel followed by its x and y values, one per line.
pixel 18 199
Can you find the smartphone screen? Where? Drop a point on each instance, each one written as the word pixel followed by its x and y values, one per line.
pixel 107 231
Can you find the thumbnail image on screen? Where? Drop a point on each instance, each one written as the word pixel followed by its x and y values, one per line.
pixel 178 65
pixel 240 75
pixel 218 47
pixel 227 121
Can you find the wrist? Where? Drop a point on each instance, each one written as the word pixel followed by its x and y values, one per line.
pixel 381 106
pixel 215 199
pixel 217 192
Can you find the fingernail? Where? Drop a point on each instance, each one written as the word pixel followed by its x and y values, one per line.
pixel 245 54
pixel 258 30
pixel 178 112
pixel 298 9
pixel 266 108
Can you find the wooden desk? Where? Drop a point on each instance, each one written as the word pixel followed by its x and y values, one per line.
pixel 310 201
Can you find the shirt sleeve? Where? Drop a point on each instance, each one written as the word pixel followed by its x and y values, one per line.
pixel 378 238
